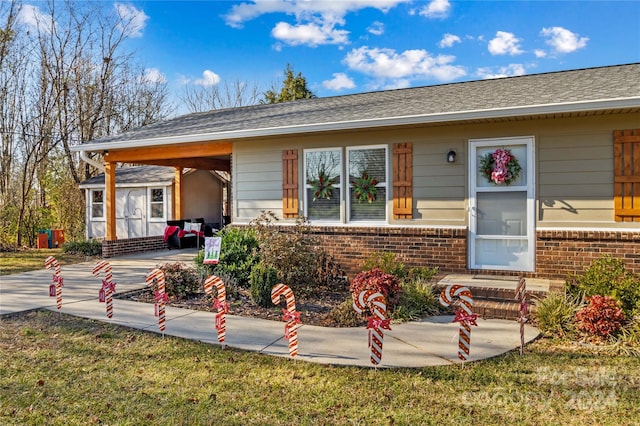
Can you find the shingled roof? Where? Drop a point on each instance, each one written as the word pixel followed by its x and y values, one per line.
pixel 593 89
pixel 135 176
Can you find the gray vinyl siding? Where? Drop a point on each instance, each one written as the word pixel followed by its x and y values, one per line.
pixel 573 170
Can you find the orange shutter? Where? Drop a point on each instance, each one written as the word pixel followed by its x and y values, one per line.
pixel 290 183
pixel 626 160
pixel 403 181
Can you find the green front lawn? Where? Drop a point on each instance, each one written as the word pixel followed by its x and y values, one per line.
pixel 14 262
pixel 58 369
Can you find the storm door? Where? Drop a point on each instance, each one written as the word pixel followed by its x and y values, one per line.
pixel 501 204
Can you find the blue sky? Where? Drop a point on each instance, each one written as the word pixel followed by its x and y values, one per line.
pixel 349 46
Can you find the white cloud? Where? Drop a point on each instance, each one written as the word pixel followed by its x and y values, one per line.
pixel 309 34
pixel 500 72
pixel 410 64
pixel 376 28
pixel 133 20
pixel 32 17
pixel 316 22
pixel 505 43
pixel 449 40
pixel 209 78
pixel 562 40
pixel 436 9
pixel 153 75
pixel 339 81
pixel 539 53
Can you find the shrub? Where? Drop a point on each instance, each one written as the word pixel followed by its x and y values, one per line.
pixel 607 276
pixel 379 281
pixel 180 280
pixel 555 314
pixel 602 317
pixel 238 254
pixel 417 299
pixel 344 315
pixel 387 262
pixel 301 262
pixel 91 247
pixel 263 278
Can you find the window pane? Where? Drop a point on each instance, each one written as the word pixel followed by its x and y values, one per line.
pixel 322 208
pixel 502 213
pixel 363 210
pixel 371 161
pixel 156 210
pixel 322 170
pixel 97 196
pixel 96 211
pixel 367 184
pixel 157 195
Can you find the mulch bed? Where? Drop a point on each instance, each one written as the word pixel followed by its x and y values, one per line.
pixel 313 311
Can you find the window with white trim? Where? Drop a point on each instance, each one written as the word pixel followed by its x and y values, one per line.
pixel 323 184
pixel 367 183
pixel 156 203
pixel 97 203
pixel 363 193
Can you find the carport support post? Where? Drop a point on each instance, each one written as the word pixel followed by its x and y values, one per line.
pixel 177 194
pixel 110 190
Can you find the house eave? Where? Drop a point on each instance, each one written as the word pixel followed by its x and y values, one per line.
pixel 421 119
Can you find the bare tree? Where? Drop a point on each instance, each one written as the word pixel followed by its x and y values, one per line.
pixel 237 93
pixel 65 79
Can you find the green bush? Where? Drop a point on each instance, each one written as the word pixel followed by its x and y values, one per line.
pixel 238 254
pixel 298 257
pixel 344 315
pixel 418 298
pixel 555 314
pixel 387 262
pixel 263 278
pixel 91 247
pixel 180 280
pixel 607 276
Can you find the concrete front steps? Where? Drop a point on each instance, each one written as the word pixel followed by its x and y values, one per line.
pixel 494 296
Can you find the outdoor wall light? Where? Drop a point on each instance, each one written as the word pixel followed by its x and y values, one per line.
pixel 451 156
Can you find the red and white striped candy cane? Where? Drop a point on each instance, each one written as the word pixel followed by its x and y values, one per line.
pixel 290 316
pixel 378 307
pixel 220 304
pixel 108 287
pixel 58 282
pixel 521 296
pixel 466 318
pixel 156 276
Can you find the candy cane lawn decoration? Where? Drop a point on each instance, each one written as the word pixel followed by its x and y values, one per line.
pixel 464 316
pixel 376 323
pixel 157 276
pixel 219 303
pixel 291 317
pixel 55 289
pixel 108 286
pixel 521 296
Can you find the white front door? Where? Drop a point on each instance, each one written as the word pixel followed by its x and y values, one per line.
pixel 134 213
pixel 502 216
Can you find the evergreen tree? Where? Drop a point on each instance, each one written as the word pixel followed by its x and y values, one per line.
pixel 293 87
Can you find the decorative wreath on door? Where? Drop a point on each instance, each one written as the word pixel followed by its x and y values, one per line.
pixel 364 188
pixel 500 167
pixel 322 187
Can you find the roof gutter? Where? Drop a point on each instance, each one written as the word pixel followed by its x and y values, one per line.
pixel 84 157
pixel 567 107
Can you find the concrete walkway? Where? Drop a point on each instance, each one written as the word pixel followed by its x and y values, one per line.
pixel 429 342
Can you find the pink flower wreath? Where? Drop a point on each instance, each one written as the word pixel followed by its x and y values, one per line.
pixel 500 167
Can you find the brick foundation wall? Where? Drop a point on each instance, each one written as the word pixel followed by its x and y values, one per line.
pixel 560 253
pixel 414 246
pixel 132 245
